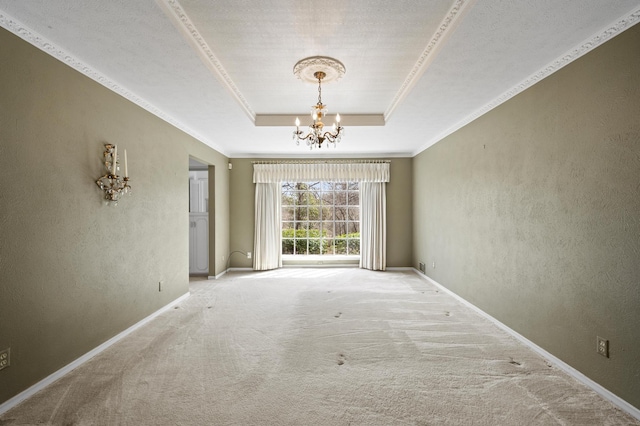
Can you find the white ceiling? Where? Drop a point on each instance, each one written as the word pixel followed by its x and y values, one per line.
pixel 215 68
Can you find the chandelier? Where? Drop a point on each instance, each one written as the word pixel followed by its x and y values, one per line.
pixel 114 186
pixel 322 68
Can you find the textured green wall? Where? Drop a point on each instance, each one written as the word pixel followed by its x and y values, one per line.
pixel 399 212
pixel 73 271
pixel 532 213
pixel 241 200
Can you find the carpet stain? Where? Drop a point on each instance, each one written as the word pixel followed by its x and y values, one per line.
pixel 337 315
pixel 514 362
pixel 447 314
pixel 341 359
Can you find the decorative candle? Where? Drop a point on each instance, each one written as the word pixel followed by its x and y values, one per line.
pixel 338 118
pixel 126 169
pixel 297 123
pixel 114 160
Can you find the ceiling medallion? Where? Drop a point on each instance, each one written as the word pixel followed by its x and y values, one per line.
pixel 319 69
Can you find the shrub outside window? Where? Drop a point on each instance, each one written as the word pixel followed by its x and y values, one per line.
pixel 320 218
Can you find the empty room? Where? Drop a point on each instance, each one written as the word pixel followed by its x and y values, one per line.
pixel 301 213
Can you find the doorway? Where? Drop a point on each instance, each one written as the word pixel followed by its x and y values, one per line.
pixel 198 218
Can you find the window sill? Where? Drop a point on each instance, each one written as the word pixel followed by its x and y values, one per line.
pixel 290 260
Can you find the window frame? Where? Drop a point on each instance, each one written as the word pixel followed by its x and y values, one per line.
pixel 305 206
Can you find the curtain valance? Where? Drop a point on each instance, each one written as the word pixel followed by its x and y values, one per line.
pixel 330 172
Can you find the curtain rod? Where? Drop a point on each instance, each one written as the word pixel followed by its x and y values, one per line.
pixel 321 161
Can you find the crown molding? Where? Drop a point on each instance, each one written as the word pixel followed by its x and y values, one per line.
pixel 183 23
pixel 583 48
pixel 27 34
pixel 445 29
pixel 318 155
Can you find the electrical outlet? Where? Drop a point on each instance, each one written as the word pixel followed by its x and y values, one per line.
pixel 422 268
pixel 5 358
pixel 160 285
pixel 433 265
pixel 603 347
pixel 248 255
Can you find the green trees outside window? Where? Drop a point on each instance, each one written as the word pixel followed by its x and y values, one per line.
pixel 320 218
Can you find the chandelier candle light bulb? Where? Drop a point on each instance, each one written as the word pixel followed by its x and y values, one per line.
pixel 114 160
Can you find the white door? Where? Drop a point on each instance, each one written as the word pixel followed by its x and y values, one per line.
pixel 199 243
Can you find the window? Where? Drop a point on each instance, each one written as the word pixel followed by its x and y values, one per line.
pixel 320 218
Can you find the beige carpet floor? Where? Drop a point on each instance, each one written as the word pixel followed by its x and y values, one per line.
pixel 317 347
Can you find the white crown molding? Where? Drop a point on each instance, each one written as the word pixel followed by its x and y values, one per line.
pixel 326 154
pixel 445 29
pixel 583 48
pixel 19 29
pixel 178 16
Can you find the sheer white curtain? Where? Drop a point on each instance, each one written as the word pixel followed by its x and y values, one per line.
pixel 372 177
pixel 373 225
pixel 267 236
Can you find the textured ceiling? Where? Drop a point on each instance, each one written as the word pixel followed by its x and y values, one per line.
pixel 222 70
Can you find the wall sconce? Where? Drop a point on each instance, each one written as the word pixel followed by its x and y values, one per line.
pixel 114 186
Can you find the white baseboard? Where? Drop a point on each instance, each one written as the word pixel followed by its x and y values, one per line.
pixel 215 277
pixel 9 404
pixel 240 270
pixel 557 362
pixel 391 268
pixel 320 266
pixel 211 277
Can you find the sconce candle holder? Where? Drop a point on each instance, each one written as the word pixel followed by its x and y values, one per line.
pixel 114 186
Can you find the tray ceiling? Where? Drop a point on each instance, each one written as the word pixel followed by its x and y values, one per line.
pixel 222 70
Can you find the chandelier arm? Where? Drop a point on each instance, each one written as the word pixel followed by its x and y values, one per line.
pixel 333 137
pixel 309 136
